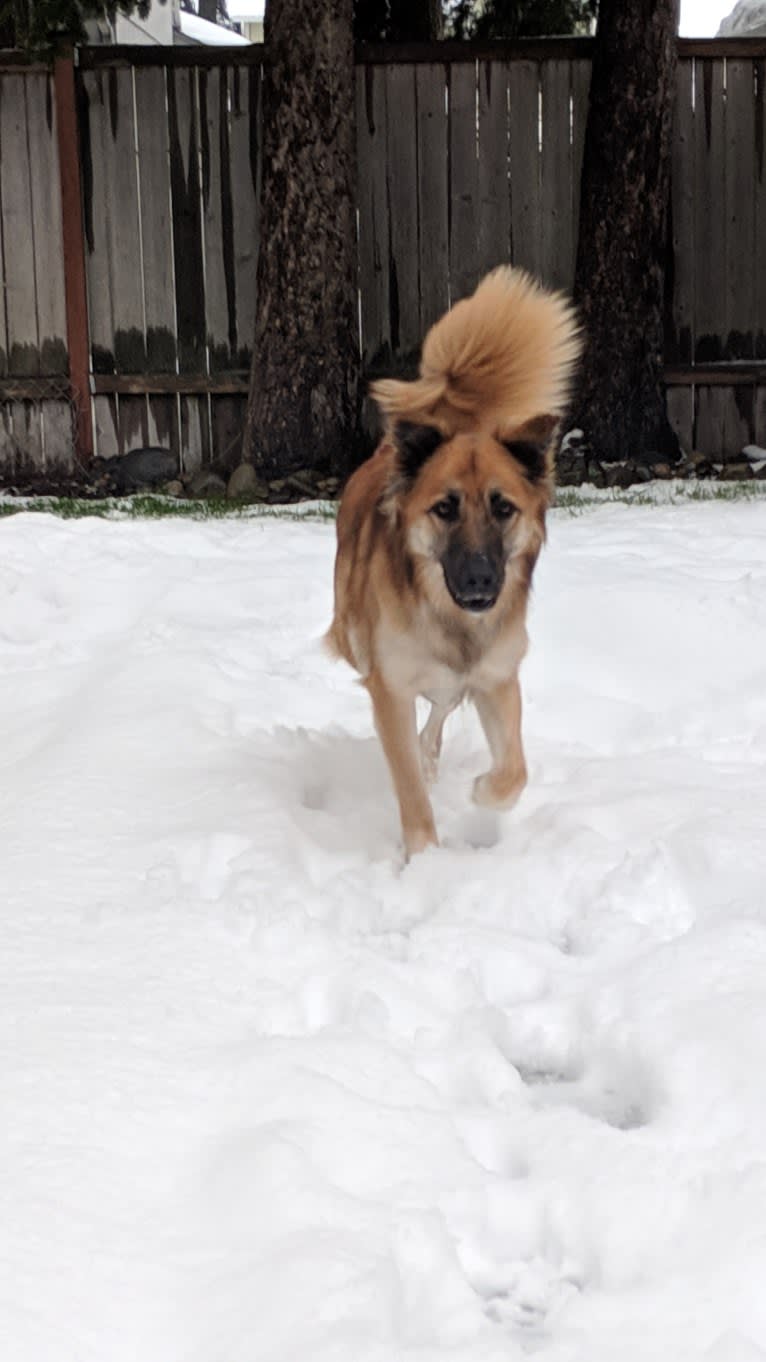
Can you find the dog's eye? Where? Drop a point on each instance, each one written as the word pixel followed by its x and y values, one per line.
pixel 502 509
pixel 446 509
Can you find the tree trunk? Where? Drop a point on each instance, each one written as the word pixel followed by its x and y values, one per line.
pixel 302 404
pixel 623 241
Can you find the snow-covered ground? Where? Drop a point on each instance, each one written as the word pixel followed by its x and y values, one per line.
pixel 268 1096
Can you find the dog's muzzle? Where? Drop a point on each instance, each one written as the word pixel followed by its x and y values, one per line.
pixel 473 580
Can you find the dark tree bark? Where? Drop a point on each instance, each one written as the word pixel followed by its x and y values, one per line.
pixel 623 241
pixel 302 404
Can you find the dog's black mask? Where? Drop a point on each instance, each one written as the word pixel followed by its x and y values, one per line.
pixel 474 578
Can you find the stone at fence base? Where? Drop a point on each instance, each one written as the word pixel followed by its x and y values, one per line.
pixel 175 488
pixel 205 483
pixel 735 472
pixel 618 475
pixel 245 483
pixel 304 483
pixel 570 472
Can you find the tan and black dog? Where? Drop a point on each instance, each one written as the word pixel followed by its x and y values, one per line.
pixel 439 532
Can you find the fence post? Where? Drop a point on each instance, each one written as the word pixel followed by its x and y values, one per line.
pixel 78 340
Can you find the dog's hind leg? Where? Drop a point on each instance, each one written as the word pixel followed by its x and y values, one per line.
pixel 431 740
pixel 398 732
pixel 500 714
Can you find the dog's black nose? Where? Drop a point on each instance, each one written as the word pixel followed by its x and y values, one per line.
pixel 473 579
pixel 478 577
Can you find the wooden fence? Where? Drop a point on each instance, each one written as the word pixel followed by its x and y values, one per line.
pixel 467 156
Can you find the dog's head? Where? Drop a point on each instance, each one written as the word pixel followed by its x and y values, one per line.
pixel 471 508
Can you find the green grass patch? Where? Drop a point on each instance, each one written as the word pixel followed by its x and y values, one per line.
pixel 675 492
pixel 150 507
pixel 570 500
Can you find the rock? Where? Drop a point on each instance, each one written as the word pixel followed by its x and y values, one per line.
pixel 304 483
pixel 735 472
pixel 662 470
pixel 139 469
pixel 175 488
pixel 245 483
pixel 572 471
pixel 205 483
pixel 618 475
pixel 699 466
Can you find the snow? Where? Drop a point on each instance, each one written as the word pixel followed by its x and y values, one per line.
pixel 748 17
pixel 212 35
pixel 270 1096
pixel 249 11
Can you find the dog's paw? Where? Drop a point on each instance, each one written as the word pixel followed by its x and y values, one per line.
pixel 419 839
pixel 496 790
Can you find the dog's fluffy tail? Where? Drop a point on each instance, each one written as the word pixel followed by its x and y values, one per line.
pixel 496 360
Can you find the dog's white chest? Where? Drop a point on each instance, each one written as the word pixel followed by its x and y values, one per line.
pixel 409 666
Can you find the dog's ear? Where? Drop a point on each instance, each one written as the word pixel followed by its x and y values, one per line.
pixel 530 444
pixel 414 445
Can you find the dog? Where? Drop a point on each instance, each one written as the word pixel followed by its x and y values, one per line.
pixel 439 531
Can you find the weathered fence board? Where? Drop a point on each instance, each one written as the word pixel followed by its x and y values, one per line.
pixel 106 426
pixel 710 180
pixel 245 188
pixel 524 164
pixel 113 259
pixel 494 199
pixel 26 419
pixel 8 449
pixel 759 273
pixel 402 183
pixel 217 218
pixel 47 239
pixel 433 201
pixel 740 209
pixel 157 281
pixel 680 403
pixel 556 224
pixel 163 421
pixel 227 420
pixel 183 114
pixel 57 432
pixel 463 181
pixel 19 282
pixel 194 431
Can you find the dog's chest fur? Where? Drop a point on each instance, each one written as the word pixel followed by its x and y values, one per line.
pixel 445 664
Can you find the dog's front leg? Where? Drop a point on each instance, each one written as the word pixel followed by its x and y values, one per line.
pixel 396 723
pixel 500 714
pixel 431 740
